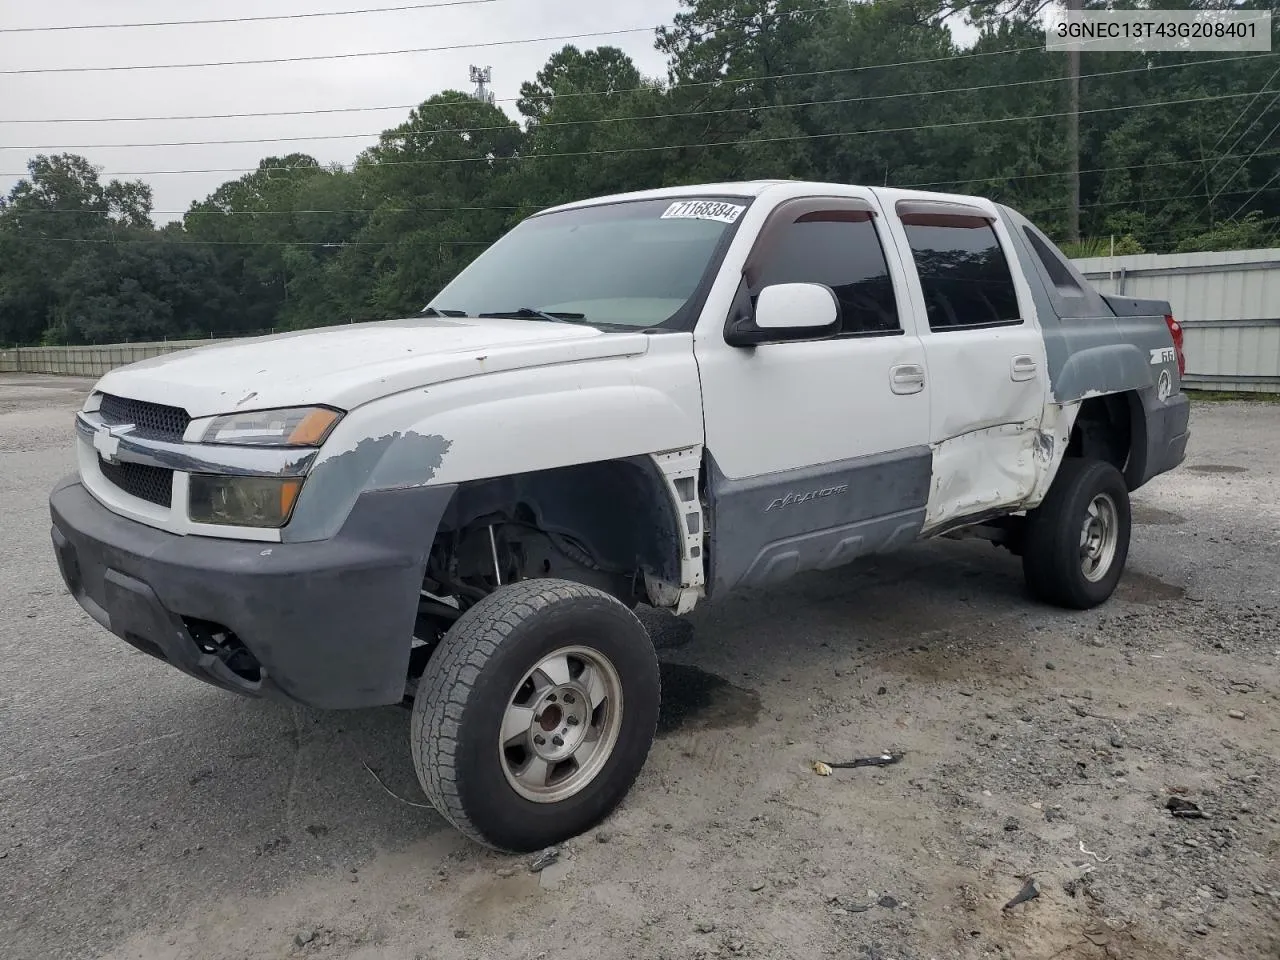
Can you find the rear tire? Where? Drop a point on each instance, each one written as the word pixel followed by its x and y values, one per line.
pixel 1077 541
pixel 544 660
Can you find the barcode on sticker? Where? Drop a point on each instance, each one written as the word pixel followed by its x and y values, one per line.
pixel 703 210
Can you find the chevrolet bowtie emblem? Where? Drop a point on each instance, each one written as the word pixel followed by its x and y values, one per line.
pixel 107 443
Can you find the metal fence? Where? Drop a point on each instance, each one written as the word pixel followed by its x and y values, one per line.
pixel 1228 304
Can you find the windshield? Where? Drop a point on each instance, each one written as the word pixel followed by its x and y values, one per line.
pixel 631 264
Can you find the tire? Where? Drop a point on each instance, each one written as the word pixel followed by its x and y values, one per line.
pixel 1054 561
pixel 481 678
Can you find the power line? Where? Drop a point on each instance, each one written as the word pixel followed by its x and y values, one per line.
pixel 258 213
pixel 281 16
pixel 1139 202
pixel 1030 212
pixel 616 151
pixel 727 81
pixel 1204 179
pixel 1243 163
pixel 622 119
pixel 1240 116
pixel 246 243
pixel 1272 180
pixel 1060 173
pixel 538 206
pixel 311 58
pixel 36 214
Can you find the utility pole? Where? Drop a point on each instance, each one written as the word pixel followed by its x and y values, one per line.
pixel 1073 131
pixel 482 77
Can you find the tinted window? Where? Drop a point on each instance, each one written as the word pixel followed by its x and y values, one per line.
pixel 1053 265
pixel 964 274
pixel 841 250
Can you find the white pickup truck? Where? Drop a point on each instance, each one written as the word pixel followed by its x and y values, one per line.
pixel 656 397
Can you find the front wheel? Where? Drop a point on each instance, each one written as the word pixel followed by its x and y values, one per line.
pixel 1077 541
pixel 535 714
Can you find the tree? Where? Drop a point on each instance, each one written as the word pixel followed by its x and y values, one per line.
pixel 47 222
pixel 441 187
pixel 1177 151
pixel 139 290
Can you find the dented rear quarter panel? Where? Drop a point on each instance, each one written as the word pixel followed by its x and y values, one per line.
pixel 1094 344
pixel 1098 345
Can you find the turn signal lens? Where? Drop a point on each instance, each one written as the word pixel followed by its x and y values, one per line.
pixel 314 427
pixel 288 427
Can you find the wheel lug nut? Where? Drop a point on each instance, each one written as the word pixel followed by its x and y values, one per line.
pixel 568 698
pixel 551 699
pixel 557 741
pixel 573 721
pixel 540 740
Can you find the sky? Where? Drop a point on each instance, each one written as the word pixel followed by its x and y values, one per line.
pixel 400 80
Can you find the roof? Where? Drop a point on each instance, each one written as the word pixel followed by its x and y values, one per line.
pixel 749 188
pixel 740 188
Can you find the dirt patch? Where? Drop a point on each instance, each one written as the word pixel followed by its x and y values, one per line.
pixel 1149 516
pixel 1215 468
pixel 666 631
pixel 694 699
pixel 1143 588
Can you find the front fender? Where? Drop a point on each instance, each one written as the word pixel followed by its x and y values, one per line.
pixel 521 434
pixel 500 424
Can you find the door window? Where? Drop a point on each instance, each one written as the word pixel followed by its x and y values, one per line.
pixel 841 249
pixel 963 272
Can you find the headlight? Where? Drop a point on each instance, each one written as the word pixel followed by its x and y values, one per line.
pixel 242 501
pixel 289 427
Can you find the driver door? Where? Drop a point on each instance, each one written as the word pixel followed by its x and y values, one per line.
pixel 818 448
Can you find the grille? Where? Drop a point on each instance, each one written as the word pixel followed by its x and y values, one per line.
pixel 153 484
pixel 154 421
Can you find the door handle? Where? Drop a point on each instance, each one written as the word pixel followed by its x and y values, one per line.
pixel 1022 368
pixel 906 378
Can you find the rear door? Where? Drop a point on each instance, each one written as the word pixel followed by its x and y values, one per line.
pixel 818 448
pixel 985 354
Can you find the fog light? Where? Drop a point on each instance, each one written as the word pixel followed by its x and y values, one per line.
pixel 242 501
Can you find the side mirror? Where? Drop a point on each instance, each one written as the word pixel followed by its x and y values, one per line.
pixel 802 310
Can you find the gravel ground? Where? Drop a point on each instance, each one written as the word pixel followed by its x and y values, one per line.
pixel 144 815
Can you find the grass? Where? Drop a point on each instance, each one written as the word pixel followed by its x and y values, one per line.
pixel 1229 396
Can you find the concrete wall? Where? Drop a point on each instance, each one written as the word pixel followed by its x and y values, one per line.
pixel 1228 304
pixel 86 361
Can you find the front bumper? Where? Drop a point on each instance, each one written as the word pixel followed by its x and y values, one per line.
pixel 328 623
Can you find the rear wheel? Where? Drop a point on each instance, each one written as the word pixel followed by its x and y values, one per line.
pixel 1077 541
pixel 535 714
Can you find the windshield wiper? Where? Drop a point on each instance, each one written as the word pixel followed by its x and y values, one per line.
pixel 538 314
pixel 437 312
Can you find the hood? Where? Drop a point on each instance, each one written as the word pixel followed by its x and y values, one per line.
pixel 349 365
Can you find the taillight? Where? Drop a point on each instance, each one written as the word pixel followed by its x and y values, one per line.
pixel 1175 331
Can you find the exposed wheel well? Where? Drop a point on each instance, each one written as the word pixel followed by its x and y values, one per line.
pixel 1112 428
pixel 603 524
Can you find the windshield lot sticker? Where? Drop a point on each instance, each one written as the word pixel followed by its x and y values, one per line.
pixel 703 210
